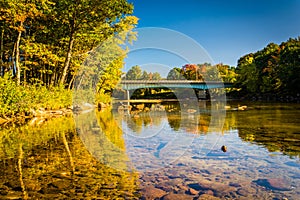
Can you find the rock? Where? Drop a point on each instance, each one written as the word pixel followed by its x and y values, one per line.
pixel 173 196
pixel 198 187
pixel 209 192
pixel 183 187
pixel 191 110
pixel 175 181
pixel 274 184
pixel 234 184
pixel 192 191
pixel 165 187
pixel 219 189
pixel 227 107
pixel 151 192
pixel 207 197
pixel 242 192
pixel 242 108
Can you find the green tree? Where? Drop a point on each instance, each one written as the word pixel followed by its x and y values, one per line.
pixel 289 66
pixel 145 76
pixel 175 74
pixel 272 70
pixel 49 40
pixel 156 76
pixel 85 18
pixel 134 73
pixel 18 15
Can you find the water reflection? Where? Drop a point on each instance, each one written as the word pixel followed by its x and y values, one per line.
pixel 254 165
pixel 49 161
pixel 175 151
pixel 275 128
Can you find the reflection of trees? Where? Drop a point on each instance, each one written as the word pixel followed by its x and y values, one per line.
pixel 177 119
pixel 230 121
pixel 143 119
pixel 196 123
pixel 174 120
pixel 20 170
pixel 270 129
pixel 35 162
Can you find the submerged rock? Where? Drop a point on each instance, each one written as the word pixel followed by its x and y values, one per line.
pixel 274 184
pixel 173 196
pixel 151 192
pixel 207 197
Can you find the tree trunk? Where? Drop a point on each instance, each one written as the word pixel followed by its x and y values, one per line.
pixel 18 56
pixel 1 53
pixel 71 82
pixel 68 59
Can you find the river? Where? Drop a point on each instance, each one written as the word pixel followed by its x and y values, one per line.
pixel 170 151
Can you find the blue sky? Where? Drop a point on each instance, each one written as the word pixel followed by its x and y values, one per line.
pixel 226 29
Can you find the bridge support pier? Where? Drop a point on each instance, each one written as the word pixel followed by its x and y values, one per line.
pixel 127 97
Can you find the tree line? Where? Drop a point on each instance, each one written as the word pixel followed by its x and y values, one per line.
pixel 274 70
pixel 200 72
pixel 45 41
pixel 46 44
pixel 136 73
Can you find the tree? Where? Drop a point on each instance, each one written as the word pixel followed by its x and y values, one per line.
pixel 272 70
pixel 156 76
pixel 146 76
pixel 134 73
pixel 18 15
pixel 289 66
pixel 85 17
pixel 175 74
pixel 192 72
pixel 49 40
pixel 102 69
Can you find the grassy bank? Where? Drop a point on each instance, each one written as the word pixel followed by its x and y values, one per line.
pixel 19 100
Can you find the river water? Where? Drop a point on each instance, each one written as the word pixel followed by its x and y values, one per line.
pixel 168 151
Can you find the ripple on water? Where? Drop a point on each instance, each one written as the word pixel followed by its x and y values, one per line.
pixel 293 164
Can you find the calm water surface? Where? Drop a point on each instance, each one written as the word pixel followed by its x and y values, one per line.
pixel 165 153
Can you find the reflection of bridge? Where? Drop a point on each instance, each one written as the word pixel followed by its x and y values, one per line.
pixel 136 84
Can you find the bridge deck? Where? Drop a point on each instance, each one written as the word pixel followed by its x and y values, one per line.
pixel 136 84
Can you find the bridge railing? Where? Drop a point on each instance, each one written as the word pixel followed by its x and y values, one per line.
pixel 167 82
pixel 136 84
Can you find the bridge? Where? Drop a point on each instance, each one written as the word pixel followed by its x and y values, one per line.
pixel 202 85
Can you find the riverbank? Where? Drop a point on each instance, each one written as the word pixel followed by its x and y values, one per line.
pixel 20 103
pixel 36 117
